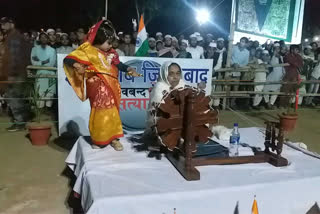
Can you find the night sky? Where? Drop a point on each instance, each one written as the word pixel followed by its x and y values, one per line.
pixel 71 14
pixel 312 14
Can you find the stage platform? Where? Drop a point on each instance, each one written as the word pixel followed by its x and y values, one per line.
pixel 129 182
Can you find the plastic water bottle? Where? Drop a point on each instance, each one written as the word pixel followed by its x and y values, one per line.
pixel 234 141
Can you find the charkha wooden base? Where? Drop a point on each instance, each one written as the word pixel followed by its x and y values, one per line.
pixel 190 173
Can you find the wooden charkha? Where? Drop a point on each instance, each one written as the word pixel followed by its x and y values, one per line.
pixel 183 122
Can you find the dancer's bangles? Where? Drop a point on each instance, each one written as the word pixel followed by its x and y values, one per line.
pixel 131 72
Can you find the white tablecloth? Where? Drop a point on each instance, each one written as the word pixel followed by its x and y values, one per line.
pixel 128 182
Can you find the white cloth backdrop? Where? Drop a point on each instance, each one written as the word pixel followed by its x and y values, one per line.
pixel 129 182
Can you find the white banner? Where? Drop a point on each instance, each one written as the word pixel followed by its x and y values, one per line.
pixel 74 114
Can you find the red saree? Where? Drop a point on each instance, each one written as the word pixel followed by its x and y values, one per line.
pixel 102 90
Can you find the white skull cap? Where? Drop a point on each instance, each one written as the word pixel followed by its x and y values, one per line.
pixel 199 38
pixel 213 44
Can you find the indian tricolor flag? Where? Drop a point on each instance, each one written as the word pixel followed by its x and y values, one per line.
pixel 142 45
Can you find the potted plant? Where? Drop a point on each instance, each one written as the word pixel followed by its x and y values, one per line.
pixel 39 131
pixel 289 118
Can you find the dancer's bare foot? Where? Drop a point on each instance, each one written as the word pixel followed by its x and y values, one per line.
pixel 117 145
pixel 95 146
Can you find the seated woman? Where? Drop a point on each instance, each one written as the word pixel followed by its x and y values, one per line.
pixel 170 78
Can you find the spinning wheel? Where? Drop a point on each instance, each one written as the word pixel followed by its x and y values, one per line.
pixel 182 122
pixel 173 114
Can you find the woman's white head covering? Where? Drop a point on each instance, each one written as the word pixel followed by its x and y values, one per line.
pixel 163 86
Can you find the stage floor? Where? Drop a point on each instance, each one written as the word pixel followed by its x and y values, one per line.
pixel 129 182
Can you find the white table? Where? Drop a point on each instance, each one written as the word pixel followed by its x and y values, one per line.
pixel 128 182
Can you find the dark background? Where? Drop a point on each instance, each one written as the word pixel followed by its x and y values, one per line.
pixel 172 16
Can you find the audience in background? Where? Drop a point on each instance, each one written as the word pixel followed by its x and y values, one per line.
pixel 121 37
pixel 240 58
pixel 195 50
pixel 175 43
pixel 115 45
pixel 211 49
pixel 159 36
pixel 291 73
pixel 219 61
pixel 52 38
pixel 260 77
pixel 127 47
pixel 73 40
pixel 159 45
pixel 167 51
pixel 65 47
pixel 315 75
pixel 44 55
pixel 16 57
pixel 46 44
pixel 183 49
pixel 181 37
pixel 81 35
pixel 152 52
pixel 275 75
pixel 314 46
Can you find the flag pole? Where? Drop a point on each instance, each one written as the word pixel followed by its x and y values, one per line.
pixel 106 9
pixel 230 45
pixel 231 37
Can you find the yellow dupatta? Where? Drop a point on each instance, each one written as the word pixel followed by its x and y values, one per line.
pixel 104 124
